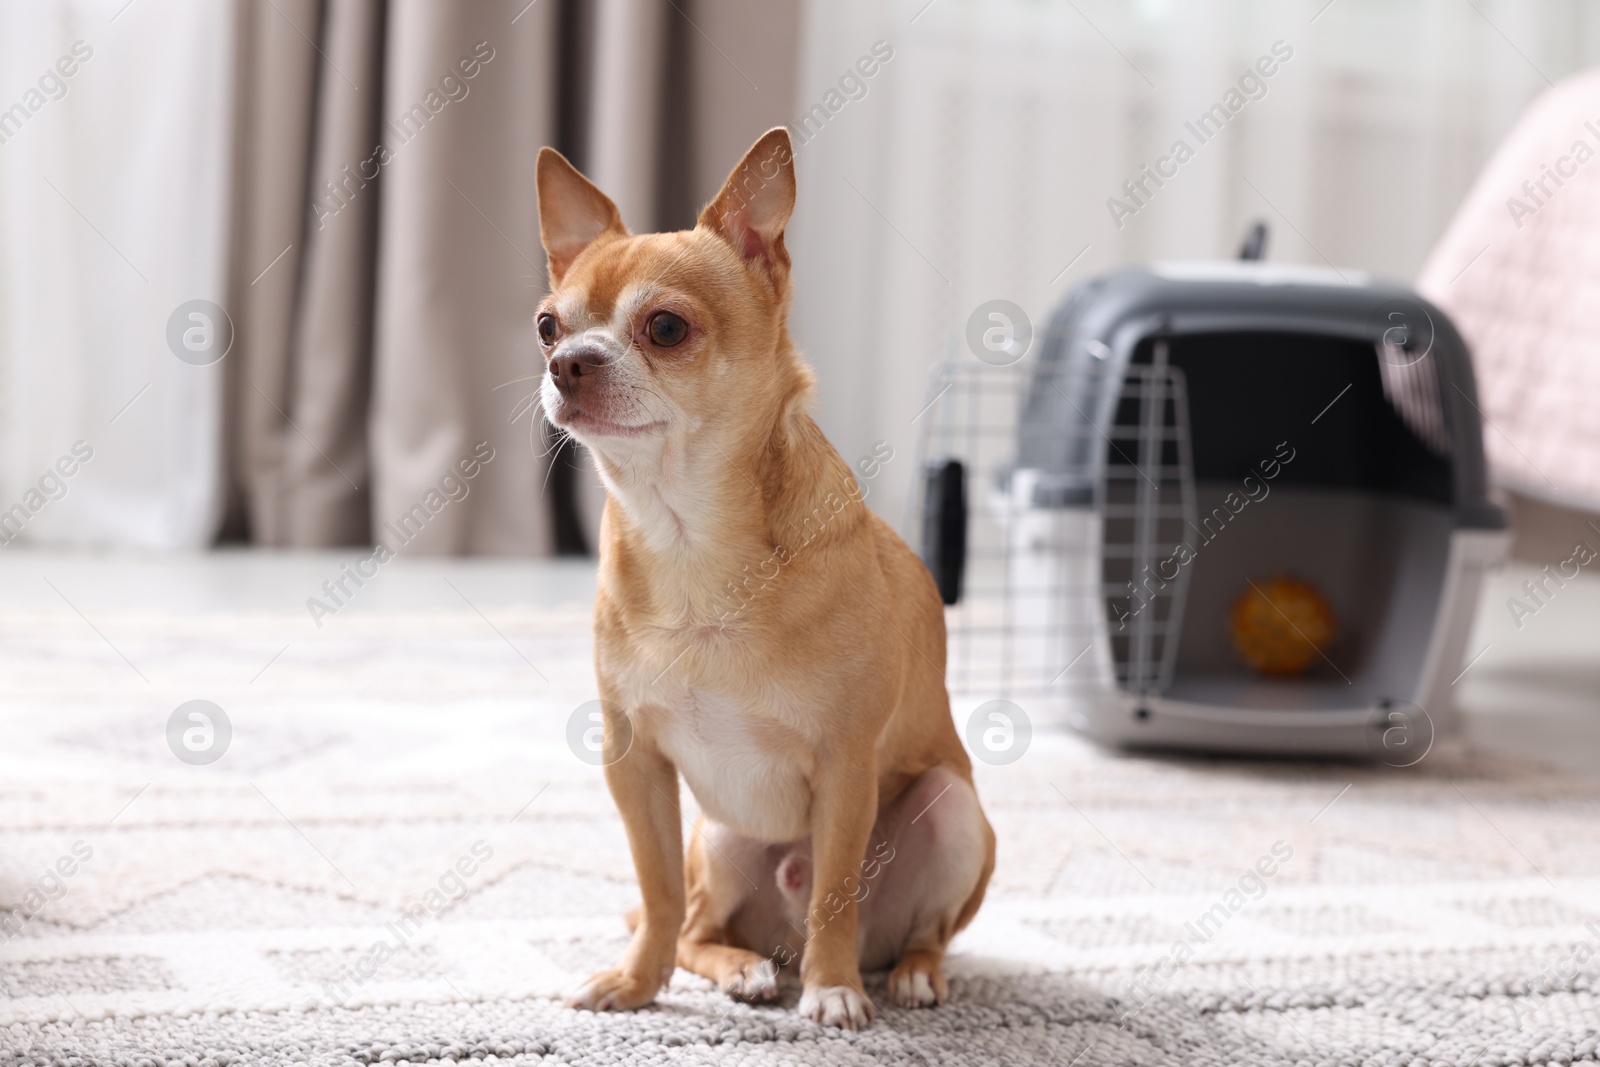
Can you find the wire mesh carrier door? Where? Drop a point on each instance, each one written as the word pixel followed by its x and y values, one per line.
pixel 1043 495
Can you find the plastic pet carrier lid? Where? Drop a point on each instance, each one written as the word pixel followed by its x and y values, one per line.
pixel 1099 331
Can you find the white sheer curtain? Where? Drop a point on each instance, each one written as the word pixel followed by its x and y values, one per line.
pixel 980 160
pixel 107 225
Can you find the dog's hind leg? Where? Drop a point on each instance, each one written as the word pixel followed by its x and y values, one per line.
pixel 726 876
pixel 929 887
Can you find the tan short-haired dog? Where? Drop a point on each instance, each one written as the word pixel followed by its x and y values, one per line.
pixel 758 629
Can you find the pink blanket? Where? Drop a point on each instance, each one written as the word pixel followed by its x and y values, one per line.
pixel 1518 269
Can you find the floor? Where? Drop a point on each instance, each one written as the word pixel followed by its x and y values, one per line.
pixel 304 899
pixel 1532 689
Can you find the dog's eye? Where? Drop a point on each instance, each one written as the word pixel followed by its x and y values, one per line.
pixel 666 329
pixel 547 328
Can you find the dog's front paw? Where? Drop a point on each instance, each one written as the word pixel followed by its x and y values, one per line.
pixel 613 989
pixel 837 1005
pixel 756 981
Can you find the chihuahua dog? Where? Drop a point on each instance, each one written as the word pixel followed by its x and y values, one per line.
pixel 758 630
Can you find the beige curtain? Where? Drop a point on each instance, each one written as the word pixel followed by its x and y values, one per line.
pixel 386 265
pixel 302 296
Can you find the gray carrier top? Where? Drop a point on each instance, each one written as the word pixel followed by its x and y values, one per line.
pixel 1110 322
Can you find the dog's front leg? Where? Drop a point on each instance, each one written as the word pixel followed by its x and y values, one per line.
pixel 644 784
pixel 844 802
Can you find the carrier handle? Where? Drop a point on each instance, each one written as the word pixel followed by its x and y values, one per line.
pixel 1255 242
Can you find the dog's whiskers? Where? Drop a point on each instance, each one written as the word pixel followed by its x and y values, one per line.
pixel 551 466
pixel 561 436
pixel 523 406
pixel 514 381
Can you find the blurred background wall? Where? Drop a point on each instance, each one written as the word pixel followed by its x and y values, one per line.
pixel 273 262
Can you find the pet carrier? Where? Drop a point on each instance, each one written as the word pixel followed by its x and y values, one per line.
pixel 1231 506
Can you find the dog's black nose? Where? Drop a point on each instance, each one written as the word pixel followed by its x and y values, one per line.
pixel 568 369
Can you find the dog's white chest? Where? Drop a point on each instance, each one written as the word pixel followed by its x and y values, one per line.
pixel 742 775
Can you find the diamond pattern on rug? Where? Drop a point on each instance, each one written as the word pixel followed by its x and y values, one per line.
pixel 75 975
pixel 414 766
pixel 1531 912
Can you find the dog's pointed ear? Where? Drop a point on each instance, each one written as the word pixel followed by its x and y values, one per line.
pixel 572 212
pixel 756 202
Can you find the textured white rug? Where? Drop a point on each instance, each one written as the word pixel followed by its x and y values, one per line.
pixel 277 906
